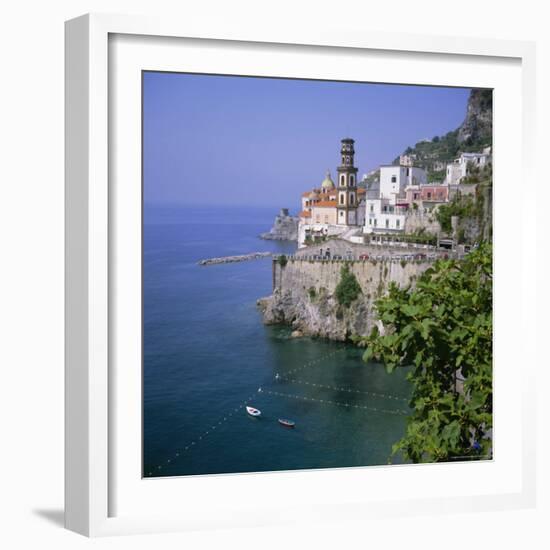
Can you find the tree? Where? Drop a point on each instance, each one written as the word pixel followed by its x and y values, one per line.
pixel 282 260
pixel 348 289
pixel 442 329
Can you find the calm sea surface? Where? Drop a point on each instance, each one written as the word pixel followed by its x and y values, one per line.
pixel 206 352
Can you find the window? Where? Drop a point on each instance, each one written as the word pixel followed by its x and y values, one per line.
pixel 341 214
pixel 342 179
pixel 375 223
pixel 397 224
pixel 342 198
pixel 429 195
pixel 372 207
pixel 387 223
pixel 351 179
pixel 352 199
pixel 370 221
pixel 326 218
pixel 393 179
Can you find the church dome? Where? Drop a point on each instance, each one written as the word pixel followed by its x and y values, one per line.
pixel 327 182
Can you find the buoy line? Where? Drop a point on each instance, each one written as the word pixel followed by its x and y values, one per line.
pixel 348 390
pixel 203 435
pixel 339 403
pixel 314 362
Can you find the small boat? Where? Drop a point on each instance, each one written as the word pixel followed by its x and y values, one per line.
pixel 253 412
pixel 287 423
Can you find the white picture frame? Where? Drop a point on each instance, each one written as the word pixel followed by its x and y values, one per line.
pixel 92 218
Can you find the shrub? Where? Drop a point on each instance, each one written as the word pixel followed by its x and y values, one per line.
pixel 282 260
pixel 348 289
pixel 312 293
pixel 443 325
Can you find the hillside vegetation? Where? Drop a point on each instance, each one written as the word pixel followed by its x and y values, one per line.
pixel 473 135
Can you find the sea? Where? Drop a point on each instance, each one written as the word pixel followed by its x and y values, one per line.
pixel 207 355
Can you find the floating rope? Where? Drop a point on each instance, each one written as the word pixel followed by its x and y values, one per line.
pixel 203 435
pixel 311 363
pixel 337 388
pixel 339 403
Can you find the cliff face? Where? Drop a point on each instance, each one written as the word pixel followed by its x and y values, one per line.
pixel 303 295
pixel 478 124
pixel 285 228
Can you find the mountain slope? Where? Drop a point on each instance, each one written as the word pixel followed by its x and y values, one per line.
pixel 474 134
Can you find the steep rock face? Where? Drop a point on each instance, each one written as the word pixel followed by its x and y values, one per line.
pixel 285 228
pixel 304 297
pixel 478 124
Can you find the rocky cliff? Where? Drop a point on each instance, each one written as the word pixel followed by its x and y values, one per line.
pixel 285 227
pixel 304 295
pixel 477 127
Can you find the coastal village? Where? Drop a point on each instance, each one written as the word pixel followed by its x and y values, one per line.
pixel 433 201
pixel 399 202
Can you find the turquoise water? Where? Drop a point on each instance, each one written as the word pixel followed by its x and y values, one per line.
pixel 207 353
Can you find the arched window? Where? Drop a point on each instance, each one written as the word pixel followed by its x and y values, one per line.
pixel 351 179
pixel 341 198
pixel 342 180
pixel 352 199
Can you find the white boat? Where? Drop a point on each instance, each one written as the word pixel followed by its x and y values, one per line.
pixel 253 412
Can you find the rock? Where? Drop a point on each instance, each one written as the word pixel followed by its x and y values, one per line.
pixel 478 124
pixel 285 228
pixel 296 334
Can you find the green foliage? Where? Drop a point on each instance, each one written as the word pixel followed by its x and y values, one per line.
pixel 461 206
pixel 428 153
pixel 348 289
pixel 442 327
pixel 420 236
pixel 477 174
pixel 312 293
pixel 282 260
pixel 436 176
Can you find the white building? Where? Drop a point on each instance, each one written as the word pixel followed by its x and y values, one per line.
pixel 394 180
pixel 383 217
pixel 386 205
pixel 459 168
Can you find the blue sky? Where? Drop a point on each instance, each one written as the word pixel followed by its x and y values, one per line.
pixel 261 141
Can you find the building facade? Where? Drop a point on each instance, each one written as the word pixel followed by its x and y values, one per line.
pixel 458 169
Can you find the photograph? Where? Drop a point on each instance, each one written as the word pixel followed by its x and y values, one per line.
pixel 317 274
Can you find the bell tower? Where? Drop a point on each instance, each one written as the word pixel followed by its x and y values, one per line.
pixel 347 185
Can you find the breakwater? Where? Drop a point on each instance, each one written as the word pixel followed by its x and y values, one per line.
pixel 233 259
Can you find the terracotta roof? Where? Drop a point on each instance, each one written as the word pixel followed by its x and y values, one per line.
pixel 325 204
pixel 361 190
pixel 305 214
